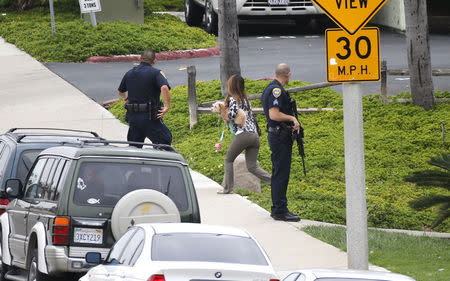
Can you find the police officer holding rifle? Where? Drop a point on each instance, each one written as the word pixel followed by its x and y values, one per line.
pixel 144 85
pixel 282 127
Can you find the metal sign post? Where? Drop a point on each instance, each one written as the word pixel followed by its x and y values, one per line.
pixel 52 17
pixel 353 56
pixel 93 18
pixel 356 209
pixel 90 6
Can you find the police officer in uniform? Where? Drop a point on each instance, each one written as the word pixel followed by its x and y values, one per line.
pixel 144 85
pixel 281 125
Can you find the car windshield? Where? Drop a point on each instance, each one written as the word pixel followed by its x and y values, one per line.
pixel 104 183
pixel 201 247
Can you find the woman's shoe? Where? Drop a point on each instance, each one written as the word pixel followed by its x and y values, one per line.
pixel 221 191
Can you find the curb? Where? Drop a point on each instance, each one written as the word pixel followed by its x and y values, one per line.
pixel 305 222
pixel 107 103
pixel 169 55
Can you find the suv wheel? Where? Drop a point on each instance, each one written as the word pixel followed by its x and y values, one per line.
pixel 211 19
pixel 193 13
pixel 33 272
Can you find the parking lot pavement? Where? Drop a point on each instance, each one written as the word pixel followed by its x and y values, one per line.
pixel 32 96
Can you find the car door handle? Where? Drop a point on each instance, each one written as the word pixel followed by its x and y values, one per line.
pixel 25 216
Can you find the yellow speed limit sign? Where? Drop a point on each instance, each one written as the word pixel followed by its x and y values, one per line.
pixel 353 58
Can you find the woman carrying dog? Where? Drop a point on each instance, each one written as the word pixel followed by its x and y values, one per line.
pixel 246 136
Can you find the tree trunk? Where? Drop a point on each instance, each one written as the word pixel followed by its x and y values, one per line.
pixel 228 42
pixel 418 47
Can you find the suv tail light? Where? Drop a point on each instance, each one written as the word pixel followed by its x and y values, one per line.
pixel 157 277
pixel 274 280
pixel 3 202
pixel 61 231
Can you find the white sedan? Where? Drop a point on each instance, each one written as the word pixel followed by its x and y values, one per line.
pixel 344 275
pixel 182 251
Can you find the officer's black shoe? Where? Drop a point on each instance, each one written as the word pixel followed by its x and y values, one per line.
pixel 285 217
pixel 291 213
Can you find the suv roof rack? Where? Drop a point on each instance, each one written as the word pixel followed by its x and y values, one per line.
pixel 19 138
pixel 154 145
pixel 54 129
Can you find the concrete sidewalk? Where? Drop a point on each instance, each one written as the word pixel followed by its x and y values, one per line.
pixel 33 96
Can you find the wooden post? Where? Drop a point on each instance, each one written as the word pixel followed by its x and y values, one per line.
pixel 228 42
pixel 192 97
pixel 418 50
pixel 383 83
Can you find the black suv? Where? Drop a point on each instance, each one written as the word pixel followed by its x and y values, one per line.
pixel 81 198
pixel 19 147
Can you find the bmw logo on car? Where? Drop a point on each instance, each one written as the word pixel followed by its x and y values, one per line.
pixel 218 274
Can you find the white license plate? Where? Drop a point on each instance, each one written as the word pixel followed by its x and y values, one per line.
pixel 278 2
pixel 88 235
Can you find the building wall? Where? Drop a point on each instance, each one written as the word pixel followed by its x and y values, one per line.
pixel 391 15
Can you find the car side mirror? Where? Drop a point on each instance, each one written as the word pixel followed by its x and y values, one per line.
pixel 93 258
pixel 13 188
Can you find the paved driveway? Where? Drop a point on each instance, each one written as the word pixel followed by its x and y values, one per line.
pixel 261 48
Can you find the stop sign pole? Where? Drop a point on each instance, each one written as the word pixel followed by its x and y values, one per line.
pixel 350 59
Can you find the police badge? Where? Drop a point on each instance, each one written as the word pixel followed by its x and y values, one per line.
pixel 276 92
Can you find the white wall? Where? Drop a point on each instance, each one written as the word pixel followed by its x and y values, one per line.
pixel 392 15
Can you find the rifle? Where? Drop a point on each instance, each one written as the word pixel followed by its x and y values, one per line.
pixel 299 136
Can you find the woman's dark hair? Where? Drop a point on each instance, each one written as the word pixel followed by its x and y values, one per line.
pixel 236 89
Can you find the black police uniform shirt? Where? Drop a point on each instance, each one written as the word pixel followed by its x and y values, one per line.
pixel 143 83
pixel 275 95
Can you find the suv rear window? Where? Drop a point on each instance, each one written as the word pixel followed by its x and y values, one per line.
pixel 206 247
pixel 103 184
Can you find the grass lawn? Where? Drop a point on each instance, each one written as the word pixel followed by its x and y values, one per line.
pixel 423 258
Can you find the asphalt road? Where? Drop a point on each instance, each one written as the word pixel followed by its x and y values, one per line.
pixel 262 46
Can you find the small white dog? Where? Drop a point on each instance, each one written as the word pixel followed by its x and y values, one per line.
pixel 219 107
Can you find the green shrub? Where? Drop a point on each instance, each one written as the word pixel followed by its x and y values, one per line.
pixel 398 137
pixel 77 40
pixel 59 5
pixel 151 6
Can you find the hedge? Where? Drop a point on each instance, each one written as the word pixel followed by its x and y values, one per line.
pixel 399 139
pixel 76 40
pixel 163 5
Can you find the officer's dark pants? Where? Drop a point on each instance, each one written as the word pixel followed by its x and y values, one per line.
pixel 281 169
pixel 141 127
